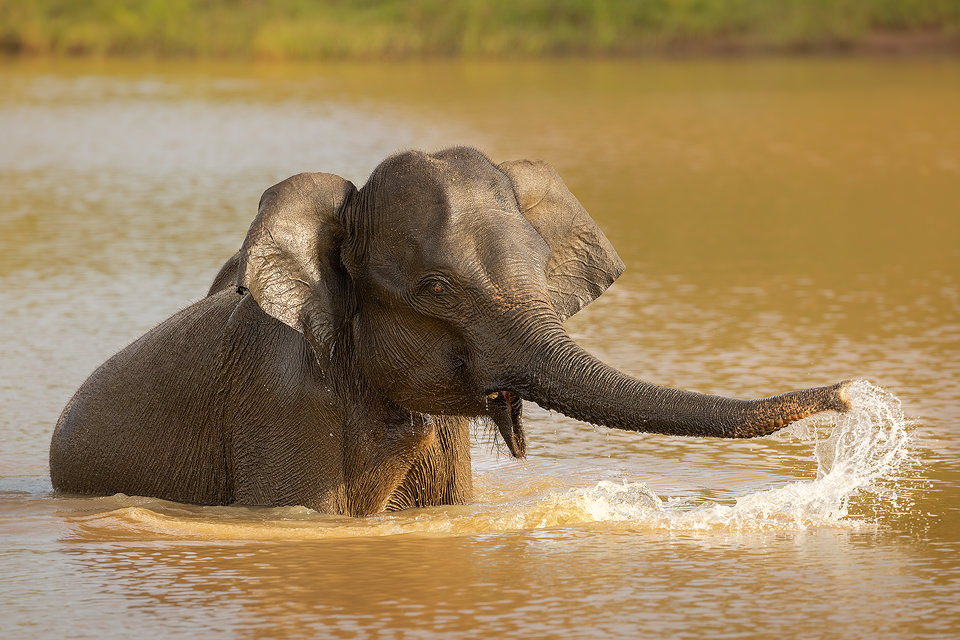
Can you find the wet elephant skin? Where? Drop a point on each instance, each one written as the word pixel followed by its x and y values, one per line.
pixel 340 353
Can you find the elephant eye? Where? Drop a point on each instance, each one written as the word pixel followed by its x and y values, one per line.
pixel 436 286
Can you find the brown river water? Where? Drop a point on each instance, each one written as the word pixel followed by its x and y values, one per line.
pixel 785 224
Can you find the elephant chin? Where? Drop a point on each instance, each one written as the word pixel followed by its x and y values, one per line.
pixel 506 410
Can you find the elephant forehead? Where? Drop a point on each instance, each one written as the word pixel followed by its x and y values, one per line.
pixel 411 203
pixel 482 249
pixel 495 236
pixel 432 216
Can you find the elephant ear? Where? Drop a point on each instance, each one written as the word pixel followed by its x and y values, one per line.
pixel 582 262
pixel 290 259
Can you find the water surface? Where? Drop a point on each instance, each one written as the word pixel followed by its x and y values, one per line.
pixel 785 224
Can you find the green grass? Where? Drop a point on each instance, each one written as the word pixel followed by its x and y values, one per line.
pixel 325 29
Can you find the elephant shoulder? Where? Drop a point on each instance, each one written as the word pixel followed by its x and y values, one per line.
pixel 173 364
pixel 145 422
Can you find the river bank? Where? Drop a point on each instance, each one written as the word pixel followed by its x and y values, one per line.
pixel 336 30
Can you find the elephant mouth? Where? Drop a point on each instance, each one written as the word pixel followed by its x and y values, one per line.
pixel 506 410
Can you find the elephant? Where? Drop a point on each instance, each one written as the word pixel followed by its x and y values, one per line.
pixel 341 353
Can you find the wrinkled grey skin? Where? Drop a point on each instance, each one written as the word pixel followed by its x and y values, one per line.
pixel 339 354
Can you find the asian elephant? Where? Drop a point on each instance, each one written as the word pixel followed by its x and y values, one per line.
pixel 339 355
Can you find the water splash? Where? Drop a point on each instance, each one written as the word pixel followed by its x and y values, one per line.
pixel 859 454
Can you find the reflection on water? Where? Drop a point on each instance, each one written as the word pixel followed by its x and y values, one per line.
pixel 524 583
pixel 785 224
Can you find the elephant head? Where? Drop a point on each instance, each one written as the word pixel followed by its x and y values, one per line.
pixel 442 285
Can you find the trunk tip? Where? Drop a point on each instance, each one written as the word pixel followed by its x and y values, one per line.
pixel 842 400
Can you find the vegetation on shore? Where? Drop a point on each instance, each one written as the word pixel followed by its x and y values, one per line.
pixel 330 29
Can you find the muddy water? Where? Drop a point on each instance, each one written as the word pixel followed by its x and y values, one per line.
pixel 785 224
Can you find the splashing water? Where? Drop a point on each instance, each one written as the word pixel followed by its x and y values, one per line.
pixel 864 452
pixel 858 453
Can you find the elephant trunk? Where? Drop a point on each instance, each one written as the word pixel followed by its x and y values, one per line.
pixel 567 379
